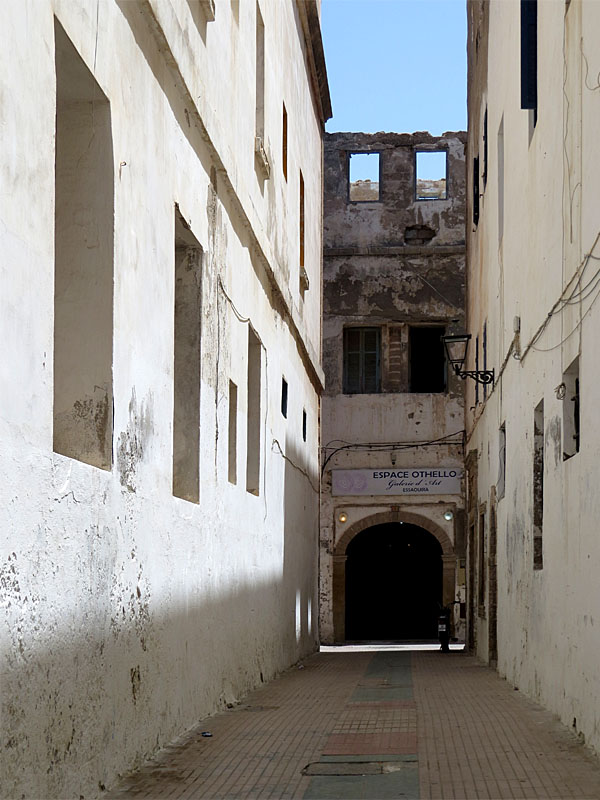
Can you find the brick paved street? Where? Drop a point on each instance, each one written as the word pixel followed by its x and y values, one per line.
pixel 371 725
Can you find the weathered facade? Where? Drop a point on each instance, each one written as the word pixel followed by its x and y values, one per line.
pixel 533 440
pixel 161 314
pixel 393 284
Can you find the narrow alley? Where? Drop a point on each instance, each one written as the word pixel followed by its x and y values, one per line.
pixel 360 722
pixel 298 306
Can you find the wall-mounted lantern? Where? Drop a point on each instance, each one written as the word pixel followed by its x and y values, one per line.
pixel 456 353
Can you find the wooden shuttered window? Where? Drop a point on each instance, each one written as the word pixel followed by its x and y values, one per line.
pixel 362 356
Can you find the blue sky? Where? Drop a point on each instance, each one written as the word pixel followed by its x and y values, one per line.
pixel 396 65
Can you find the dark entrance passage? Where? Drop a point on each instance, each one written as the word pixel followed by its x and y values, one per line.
pixel 393 583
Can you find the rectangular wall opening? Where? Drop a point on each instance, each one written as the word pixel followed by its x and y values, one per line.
pixel 260 75
pixel 253 424
pixel 538 485
pixel 501 482
pixel 570 401
pixel 476 191
pixel 363 177
pixel 529 36
pixel 284 142
pixel 482 567
pixel 186 389
pixel 84 257
pixel 430 171
pixel 484 353
pixel 301 218
pixel 501 180
pixel 485 149
pixel 284 397
pixel 303 426
pixel 471 629
pixel 477 369
pixel 427 359
pixel 232 430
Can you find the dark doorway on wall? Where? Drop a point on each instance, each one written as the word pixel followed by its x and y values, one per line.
pixel 393 583
pixel 427 362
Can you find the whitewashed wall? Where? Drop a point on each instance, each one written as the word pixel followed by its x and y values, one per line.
pixel 127 613
pixel 548 624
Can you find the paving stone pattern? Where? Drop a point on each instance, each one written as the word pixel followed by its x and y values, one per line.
pixel 375 726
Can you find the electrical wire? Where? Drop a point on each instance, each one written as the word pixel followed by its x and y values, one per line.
pixel 560 303
pixel 300 469
pixel 378 447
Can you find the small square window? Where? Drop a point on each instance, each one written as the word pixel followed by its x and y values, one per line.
pixel 363 177
pixel 430 170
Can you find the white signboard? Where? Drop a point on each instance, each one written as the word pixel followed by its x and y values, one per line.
pixel 397 480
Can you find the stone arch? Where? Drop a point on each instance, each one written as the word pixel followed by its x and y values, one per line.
pixel 395 516
pixel 339 560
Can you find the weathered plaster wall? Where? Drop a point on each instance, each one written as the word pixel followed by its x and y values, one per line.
pixel 390 264
pixel 385 223
pixel 538 221
pixel 128 613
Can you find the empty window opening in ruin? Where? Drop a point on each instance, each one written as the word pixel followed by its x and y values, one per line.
pixel 253 419
pixel 232 430
pixel 363 177
pixel 362 355
pixel 569 391
pixel 538 485
pixel 186 372
pixel 427 362
pixel 304 425
pixel 284 397
pixel 430 171
pixel 84 262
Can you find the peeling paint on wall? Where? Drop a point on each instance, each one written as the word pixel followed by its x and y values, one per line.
pixel 394 264
pixel 132 442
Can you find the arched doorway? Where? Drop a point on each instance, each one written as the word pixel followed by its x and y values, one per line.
pixel 393 583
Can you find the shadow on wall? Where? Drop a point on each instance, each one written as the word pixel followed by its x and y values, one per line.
pixel 90 690
pixel 79 710
pixel 148 38
pixel 301 541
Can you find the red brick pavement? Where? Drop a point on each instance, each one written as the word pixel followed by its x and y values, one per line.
pixel 481 740
pixel 476 738
pixel 370 744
